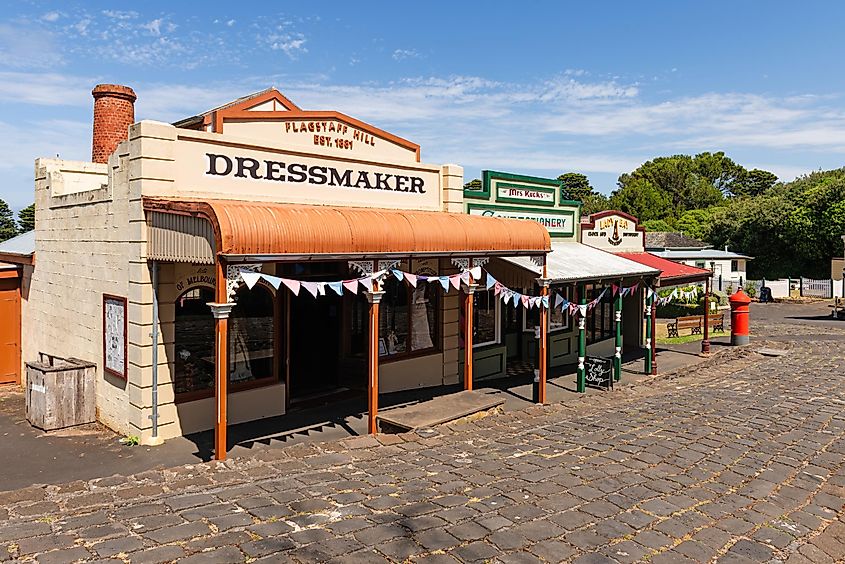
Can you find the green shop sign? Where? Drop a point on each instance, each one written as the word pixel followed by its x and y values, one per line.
pixel 558 222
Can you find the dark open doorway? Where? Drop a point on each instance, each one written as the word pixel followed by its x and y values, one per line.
pixel 315 331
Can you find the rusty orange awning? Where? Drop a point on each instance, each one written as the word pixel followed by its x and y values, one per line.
pixel 267 229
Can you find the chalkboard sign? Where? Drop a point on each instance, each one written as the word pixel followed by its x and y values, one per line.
pixel 598 372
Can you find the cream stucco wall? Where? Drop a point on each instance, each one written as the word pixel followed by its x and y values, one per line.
pixel 84 244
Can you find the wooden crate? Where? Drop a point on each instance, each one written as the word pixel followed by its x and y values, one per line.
pixel 60 392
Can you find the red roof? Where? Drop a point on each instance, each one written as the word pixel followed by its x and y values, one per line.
pixel 671 273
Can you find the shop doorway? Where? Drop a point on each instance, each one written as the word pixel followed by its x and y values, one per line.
pixel 10 328
pixel 315 343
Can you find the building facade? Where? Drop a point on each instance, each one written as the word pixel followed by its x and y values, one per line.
pixel 142 257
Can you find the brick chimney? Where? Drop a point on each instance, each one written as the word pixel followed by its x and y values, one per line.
pixel 114 112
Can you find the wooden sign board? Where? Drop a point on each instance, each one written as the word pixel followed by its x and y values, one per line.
pixel 598 372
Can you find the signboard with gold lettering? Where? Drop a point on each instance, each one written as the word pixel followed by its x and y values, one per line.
pixel 614 231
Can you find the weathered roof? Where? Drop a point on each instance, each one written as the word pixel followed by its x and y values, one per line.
pixel 571 261
pixel 272 91
pixel 19 247
pixel 265 228
pixel 701 254
pixel 672 240
pixel 671 273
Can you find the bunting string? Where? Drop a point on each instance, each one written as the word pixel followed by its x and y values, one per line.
pixel 446 282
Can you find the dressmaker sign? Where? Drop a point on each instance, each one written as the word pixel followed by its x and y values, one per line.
pixel 293 177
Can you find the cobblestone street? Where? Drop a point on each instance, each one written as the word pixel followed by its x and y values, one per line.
pixel 740 460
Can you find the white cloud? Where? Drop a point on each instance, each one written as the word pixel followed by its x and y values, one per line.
pixel 120 15
pixel 22 46
pixel 51 16
pixel 402 54
pixel 45 89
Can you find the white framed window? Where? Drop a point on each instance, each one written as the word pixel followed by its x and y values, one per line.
pixel 486 318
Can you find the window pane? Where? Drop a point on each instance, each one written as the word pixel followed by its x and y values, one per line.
pixel 251 336
pixel 393 319
pixel 423 317
pixel 484 317
pixel 194 342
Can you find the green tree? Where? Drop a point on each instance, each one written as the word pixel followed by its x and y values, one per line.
pixel 593 203
pixel 689 182
pixel 657 225
pixel 8 229
pixel 754 183
pixel 696 223
pixel 474 184
pixel 26 219
pixel 576 186
pixel 642 199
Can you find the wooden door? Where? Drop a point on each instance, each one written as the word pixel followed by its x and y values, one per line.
pixel 10 329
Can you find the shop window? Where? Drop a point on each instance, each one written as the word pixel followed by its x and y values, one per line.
pixel 485 318
pixel 600 321
pixel 251 337
pixel 700 264
pixel 558 320
pixel 407 319
pixel 194 343
pixel 734 266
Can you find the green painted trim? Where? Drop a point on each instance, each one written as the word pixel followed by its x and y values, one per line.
pixel 510 200
pixel 581 376
pixel 484 193
pixel 548 211
pixel 564 202
pixel 489 175
pixel 617 360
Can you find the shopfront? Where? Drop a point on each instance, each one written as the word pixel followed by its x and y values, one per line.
pixel 254 258
pixel 575 274
pixel 621 234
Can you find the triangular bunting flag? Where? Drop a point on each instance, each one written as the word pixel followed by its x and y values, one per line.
pixel 615 289
pixel 465 277
pixel 321 288
pixel 558 300
pixel 250 278
pixel 476 273
pixel 351 285
pixel 398 274
pixel 497 288
pixel 582 310
pixel 367 283
pixel 411 278
pixel 491 281
pixel 516 299
pixel 274 281
pixel 524 300
pixel 455 280
pixel 545 302
pixel 293 285
pixel 311 287
pixel 337 287
pixel 444 281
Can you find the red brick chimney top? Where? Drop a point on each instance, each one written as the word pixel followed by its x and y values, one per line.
pixel 114 112
pixel 114 91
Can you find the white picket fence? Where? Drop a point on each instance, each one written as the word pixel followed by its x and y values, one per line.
pixel 807 287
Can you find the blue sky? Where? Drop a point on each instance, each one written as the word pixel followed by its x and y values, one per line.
pixel 532 87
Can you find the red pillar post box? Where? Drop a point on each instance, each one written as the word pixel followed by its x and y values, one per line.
pixel 739 318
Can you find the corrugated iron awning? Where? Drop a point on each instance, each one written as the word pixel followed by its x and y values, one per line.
pixel 266 230
pixel 572 261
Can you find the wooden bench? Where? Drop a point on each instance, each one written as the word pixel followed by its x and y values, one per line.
pixel 692 322
pixel 695 323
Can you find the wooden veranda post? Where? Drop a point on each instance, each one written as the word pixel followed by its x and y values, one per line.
pixel 649 336
pixel 617 358
pixel 705 342
pixel 581 378
pixel 220 310
pixel 544 337
pixel 469 291
pixel 654 333
pixel 374 297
